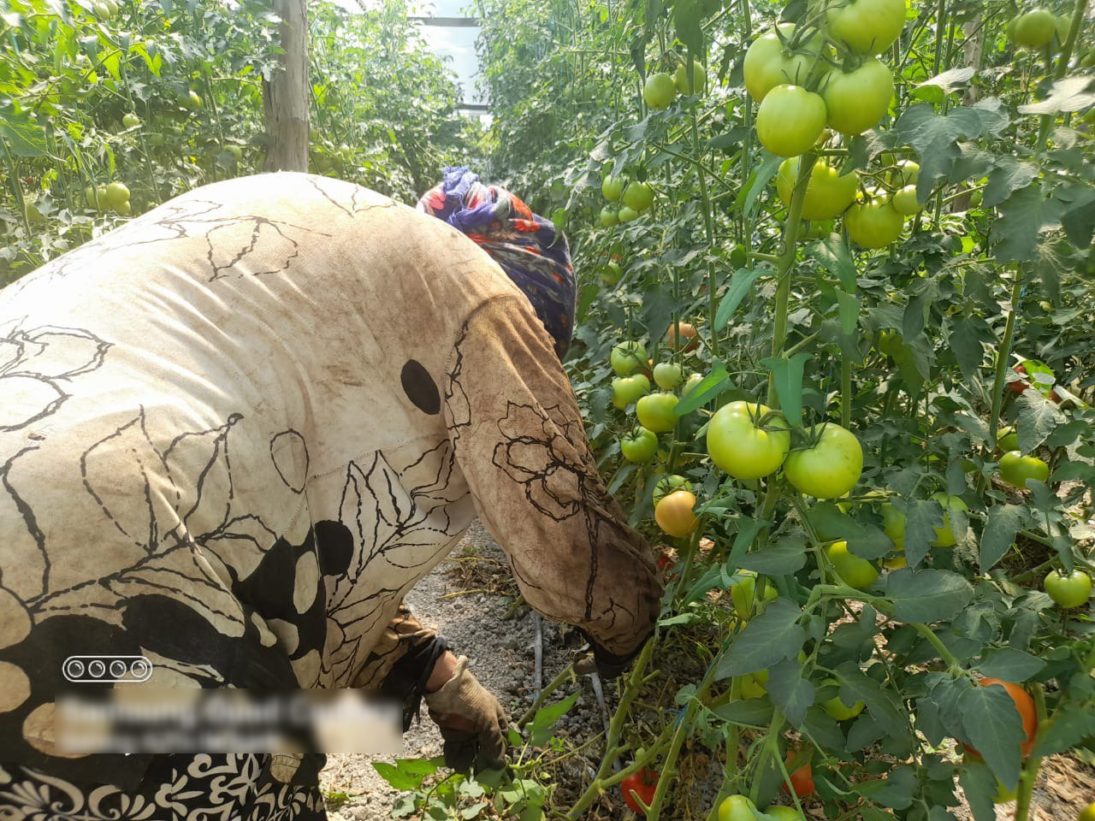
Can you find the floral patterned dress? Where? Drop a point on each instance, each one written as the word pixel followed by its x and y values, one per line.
pixel 233 434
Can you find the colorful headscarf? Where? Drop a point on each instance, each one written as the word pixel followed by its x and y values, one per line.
pixel 528 247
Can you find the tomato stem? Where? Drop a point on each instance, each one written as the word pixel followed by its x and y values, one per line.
pixel 1002 354
pixel 786 262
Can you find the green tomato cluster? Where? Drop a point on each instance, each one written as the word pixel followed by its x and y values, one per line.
pixel 114 197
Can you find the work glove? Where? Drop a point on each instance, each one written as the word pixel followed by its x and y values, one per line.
pixel 472 722
pixel 607 665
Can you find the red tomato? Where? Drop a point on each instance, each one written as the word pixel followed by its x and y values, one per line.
pixel 643 784
pixel 802 779
pixel 683 335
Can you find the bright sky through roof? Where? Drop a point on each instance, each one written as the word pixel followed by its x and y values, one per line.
pixel 458 44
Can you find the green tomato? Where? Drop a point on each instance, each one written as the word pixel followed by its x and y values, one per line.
pixel 874 224
pixel 893 525
pixel 944 536
pixel 116 193
pixel 830 468
pixel 891 343
pixel 639 446
pixel 611 273
pixel 855 571
pixel 124 208
pixel 857 100
pixel 609 217
pixel 655 412
pixel 96 197
pixel 740 448
pixel 612 187
pixel 670 484
pixel 628 389
pixel 1072 590
pixel 659 91
pixel 131 120
pixel 905 201
pixel 193 101
pixel 668 375
pixel 638 196
pixel 102 11
pixel 626 214
pixel 866 26
pixel 1015 469
pixel 837 708
pixel 235 151
pixel 699 79
pixel 907 172
pixel 1034 29
pixel 690 383
pixel 828 194
pixel 790 120
pixel 784 814
pixel 769 63
pixel 737 808
pixel 739 257
pixel 744 593
pixel 750 687
pixel 627 357
pixel 1007 439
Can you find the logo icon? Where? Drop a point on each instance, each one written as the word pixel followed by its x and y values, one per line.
pixel 106 669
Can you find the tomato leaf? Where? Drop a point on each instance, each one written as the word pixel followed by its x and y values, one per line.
pixel 543 723
pixel 858 686
pixel 1024 217
pixel 922 517
pixel 993 725
pixel 848 306
pixel 740 282
pixel 1010 664
pixel 1037 419
pixel 708 388
pixel 754 712
pixel 787 374
pixel 896 790
pixel 864 732
pixel 936 136
pixel 927 595
pixel 1070 727
pixel 770 637
pixel 761 176
pixel 1008 175
pixel 789 691
pixel 1069 94
pixel 979 785
pixel 824 729
pixel 968 338
pixel 833 255
pixel 950 80
pixel 1003 523
pixel 783 558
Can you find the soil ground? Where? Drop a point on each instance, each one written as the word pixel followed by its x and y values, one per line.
pixel 467 598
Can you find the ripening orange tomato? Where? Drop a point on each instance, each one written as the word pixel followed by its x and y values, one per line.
pixel 674 514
